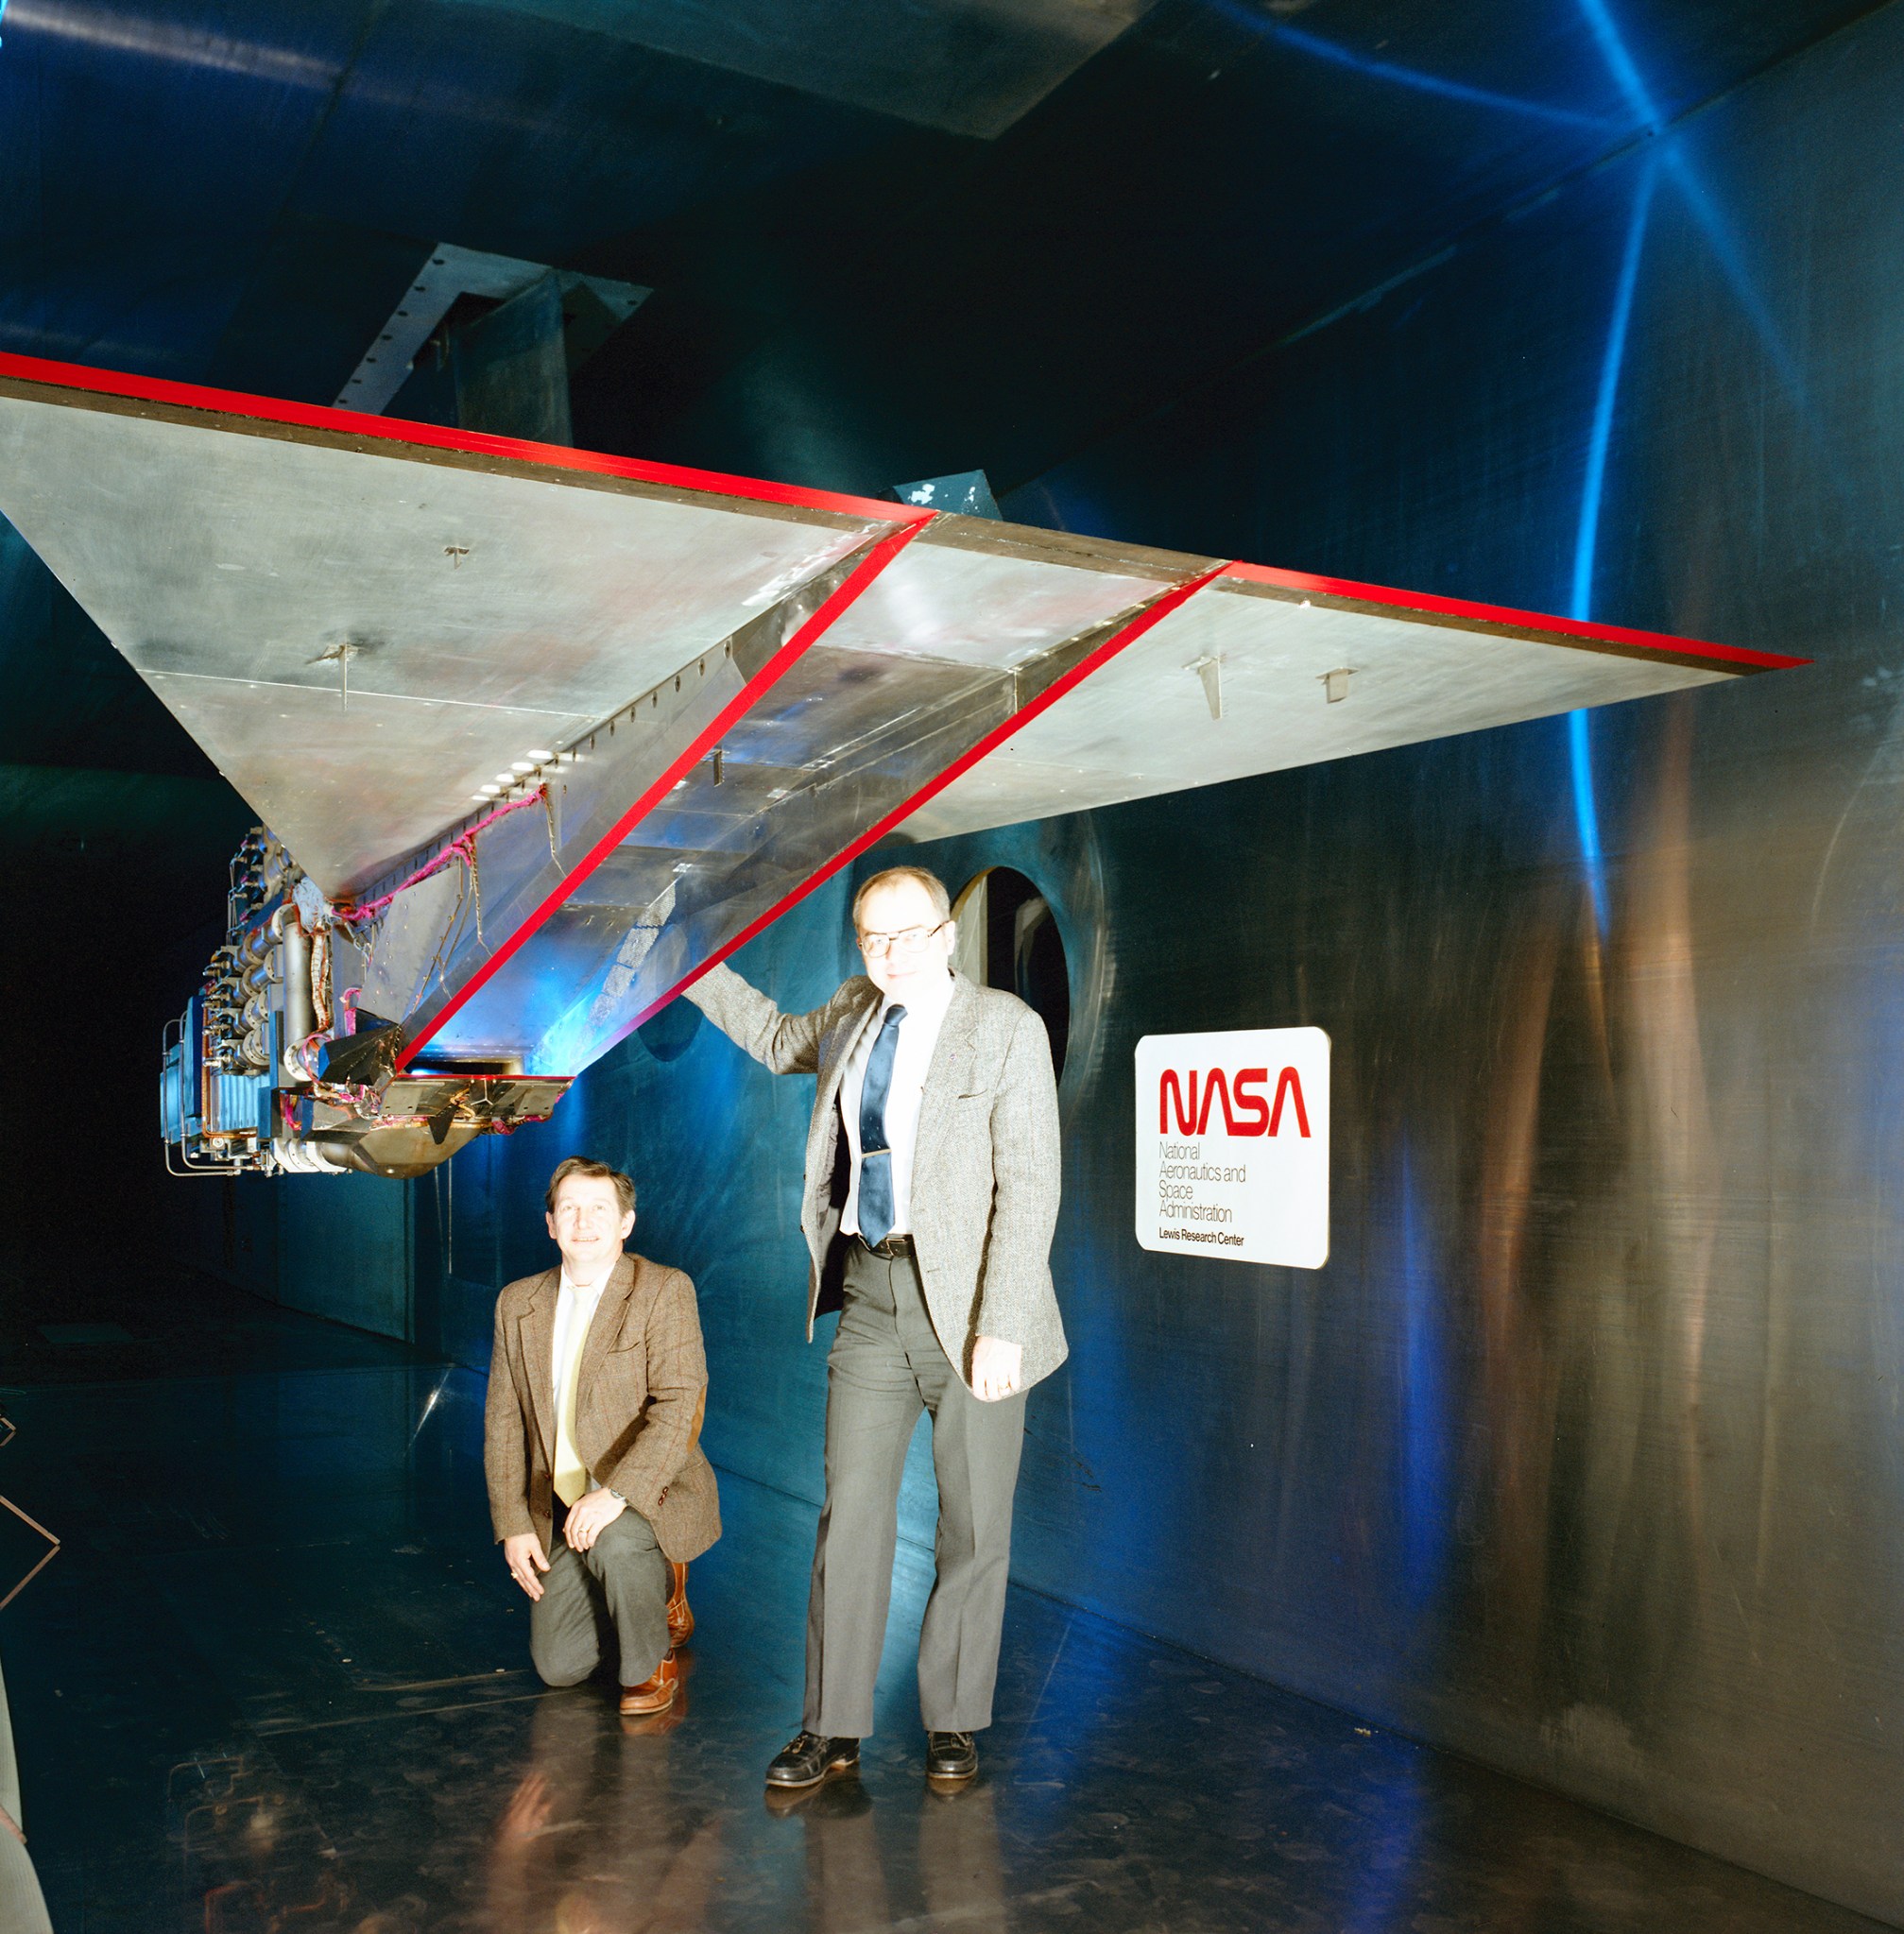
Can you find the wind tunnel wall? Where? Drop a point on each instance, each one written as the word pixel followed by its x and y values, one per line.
pixel 1582 1454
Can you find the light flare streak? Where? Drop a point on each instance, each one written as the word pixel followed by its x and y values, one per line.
pixel 1331 51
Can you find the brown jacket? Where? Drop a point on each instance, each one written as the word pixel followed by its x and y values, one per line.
pixel 640 1392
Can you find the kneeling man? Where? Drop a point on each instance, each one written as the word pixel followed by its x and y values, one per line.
pixel 598 1490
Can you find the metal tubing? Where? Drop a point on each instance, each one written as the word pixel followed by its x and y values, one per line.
pixel 287 928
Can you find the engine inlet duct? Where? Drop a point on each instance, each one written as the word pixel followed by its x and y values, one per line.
pixel 539 734
pixel 276 1067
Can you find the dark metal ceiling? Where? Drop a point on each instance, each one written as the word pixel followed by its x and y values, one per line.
pixel 236 192
pixel 966 66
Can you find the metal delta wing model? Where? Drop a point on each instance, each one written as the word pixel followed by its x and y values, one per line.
pixel 539 735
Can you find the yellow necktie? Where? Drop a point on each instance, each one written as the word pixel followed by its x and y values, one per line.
pixel 571 1474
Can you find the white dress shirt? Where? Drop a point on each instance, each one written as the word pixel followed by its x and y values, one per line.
pixel 575 1307
pixel 918 1034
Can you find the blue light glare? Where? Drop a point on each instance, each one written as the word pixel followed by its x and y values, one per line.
pixel 1620 63
pixel 1607 398
pixel 1719 236
pixel 1315 46
pixel 1387 1877
pixel 1724 246
pixel 1586 537
pixel 1585 814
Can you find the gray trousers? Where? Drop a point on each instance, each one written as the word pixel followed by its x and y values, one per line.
pixel 610 1601
pixel 887 1365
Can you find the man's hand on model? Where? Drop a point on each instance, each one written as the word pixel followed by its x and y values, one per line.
pixel 524 1556
pixel 995 1366
pixel 590 1517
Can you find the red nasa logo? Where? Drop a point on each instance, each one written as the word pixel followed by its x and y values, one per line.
pixel 1232 1145
pixel 1245 1108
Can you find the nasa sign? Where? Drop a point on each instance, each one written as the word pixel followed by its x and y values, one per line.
pixel 1232 1145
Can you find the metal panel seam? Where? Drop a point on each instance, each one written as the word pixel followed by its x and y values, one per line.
pixel 58 376
pixel 1545 626
pixel 875 560
pixel 1158 609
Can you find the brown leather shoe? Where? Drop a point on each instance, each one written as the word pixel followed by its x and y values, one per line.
pixel 655 1693
pixel 651 1725
pixel 680 1619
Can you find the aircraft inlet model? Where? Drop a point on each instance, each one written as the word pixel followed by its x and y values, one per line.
pixel 536 735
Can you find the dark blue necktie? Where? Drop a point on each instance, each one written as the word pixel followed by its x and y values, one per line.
pixel 876 1158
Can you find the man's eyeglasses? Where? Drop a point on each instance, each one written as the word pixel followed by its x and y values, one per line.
pixel 907 940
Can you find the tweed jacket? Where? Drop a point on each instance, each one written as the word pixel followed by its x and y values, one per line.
pixel 984 1182
pixel 640 1392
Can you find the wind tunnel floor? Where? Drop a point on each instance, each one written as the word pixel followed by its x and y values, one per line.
pixel 277 1679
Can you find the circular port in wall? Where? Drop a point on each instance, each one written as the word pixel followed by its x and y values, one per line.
pixel 670 1033
pixel 1008 937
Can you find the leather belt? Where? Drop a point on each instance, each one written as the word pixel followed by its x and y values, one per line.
pixel 889 1248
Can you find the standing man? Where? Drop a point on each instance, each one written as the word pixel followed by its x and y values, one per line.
pixel 931 1189
pixel 590 1444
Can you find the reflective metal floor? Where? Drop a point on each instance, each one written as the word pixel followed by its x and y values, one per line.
pixel 277 1679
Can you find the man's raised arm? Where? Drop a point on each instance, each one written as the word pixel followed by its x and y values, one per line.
pixel 787 1043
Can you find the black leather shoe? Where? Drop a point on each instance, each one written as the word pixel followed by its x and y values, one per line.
pixel 951 1756
pixel 813 1757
